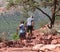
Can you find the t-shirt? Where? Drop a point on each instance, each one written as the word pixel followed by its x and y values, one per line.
pixel 29 20
pixel 22 28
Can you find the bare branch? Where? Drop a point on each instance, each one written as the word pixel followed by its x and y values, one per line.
pixel 44 13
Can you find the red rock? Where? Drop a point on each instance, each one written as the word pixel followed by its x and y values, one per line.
pixel 38 46
pixel 49 46
pixel 57 49
pixel 54 41
pixel 58 40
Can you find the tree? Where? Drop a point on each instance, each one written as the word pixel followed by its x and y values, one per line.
pixel 53 13
pixel 31 5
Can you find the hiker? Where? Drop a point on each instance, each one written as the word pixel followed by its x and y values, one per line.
pixel 22 31
pixel 30 25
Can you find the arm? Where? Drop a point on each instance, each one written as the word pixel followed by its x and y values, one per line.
pixel 33 24
pixel 17 30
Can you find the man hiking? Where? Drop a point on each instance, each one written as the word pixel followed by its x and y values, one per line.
pixel 30 24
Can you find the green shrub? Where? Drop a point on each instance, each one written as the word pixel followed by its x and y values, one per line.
pixel 15 36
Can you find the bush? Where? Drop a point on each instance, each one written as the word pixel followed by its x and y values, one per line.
pixel 15 36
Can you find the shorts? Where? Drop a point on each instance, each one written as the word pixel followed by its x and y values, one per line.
pixel 29 28
pixel 22 35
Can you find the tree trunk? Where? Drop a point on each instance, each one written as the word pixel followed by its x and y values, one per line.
pixel 53 14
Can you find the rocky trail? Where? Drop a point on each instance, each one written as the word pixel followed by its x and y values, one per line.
pixel 43 40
